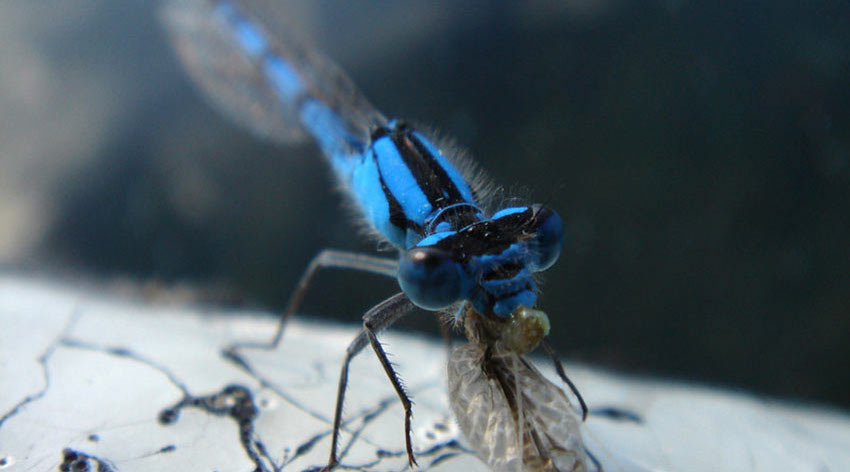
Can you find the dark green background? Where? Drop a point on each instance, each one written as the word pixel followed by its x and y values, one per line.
pixel 698 152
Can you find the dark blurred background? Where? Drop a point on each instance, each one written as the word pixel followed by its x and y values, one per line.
pixel 698 151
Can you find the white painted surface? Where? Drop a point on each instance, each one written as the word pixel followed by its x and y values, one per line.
pixel 108 363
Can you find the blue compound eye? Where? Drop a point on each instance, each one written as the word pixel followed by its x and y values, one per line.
pixel 429 277
pixel 549 238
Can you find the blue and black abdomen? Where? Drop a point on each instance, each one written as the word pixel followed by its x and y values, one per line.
pixel 283 90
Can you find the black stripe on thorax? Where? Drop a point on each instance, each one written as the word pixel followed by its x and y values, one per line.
pixel 430 176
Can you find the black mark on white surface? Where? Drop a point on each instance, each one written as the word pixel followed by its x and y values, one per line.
pixel 236 402
pixel 76 461
pixel 440 453
pixel 617 414
pixel 362 418
pixel 233 356
pixel 126 353
pixel 169 448
pixel 43 359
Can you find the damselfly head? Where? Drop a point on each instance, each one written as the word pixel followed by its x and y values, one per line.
pixel 490 263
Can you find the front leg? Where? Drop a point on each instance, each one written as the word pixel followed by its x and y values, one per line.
pixel 377 318
pixel 399 389
pixel 325 259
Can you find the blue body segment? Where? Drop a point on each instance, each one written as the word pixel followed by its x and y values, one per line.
pixel 284 80
pixel 245 33
pixel 366 185
pixel 400 182
pixel 407 188
pixel 331 133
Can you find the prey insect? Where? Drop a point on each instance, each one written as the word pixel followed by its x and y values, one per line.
pixel 457 251
pixel 514 419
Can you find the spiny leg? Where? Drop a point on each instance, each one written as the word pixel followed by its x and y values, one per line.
pixel 325 259
pixel 559 368
pixel 353 349
pixel 399 388
pixel 377 318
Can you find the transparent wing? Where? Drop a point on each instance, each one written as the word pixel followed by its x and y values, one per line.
pixel 239 83
pixel 516 420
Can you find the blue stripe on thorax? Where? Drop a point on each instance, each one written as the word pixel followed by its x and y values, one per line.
pixel 399 200
pixel 370 194
pixel 400 181
pixel 509 211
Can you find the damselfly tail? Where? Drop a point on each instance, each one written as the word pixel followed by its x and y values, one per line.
pixel 253 68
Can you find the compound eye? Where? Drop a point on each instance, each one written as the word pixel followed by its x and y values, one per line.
pixel 549 236
pixel 429 277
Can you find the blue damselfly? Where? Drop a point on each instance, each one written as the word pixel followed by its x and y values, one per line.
pixel 458 252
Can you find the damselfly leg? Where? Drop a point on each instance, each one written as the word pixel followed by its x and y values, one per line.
pixel 379 317
pixel 559 368
pixel 325 259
